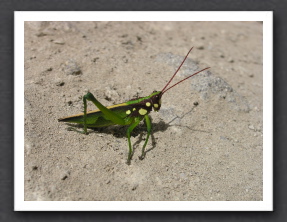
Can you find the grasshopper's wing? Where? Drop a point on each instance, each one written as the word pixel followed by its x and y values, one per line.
pixel 96 118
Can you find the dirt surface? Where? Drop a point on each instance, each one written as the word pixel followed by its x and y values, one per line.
pixel 207 138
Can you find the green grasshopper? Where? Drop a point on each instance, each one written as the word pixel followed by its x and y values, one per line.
pixel 130 113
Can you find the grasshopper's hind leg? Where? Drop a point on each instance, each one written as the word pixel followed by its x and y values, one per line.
pixel 85 98
pixel 149 127
pixel 84 119
pixel 107 113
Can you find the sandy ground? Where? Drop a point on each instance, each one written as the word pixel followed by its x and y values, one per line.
pixel 209 151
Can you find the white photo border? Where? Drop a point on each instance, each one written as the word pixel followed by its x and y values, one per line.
pixel 265 205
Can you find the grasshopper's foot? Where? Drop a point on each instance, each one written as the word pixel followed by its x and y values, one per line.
pixel 142 156
pixel 78 131
pixel 129 160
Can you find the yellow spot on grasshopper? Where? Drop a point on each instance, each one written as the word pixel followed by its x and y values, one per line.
pixel 148 104
pixel 134 109
pixel 142 111
pixel 128 112
pixel 155 105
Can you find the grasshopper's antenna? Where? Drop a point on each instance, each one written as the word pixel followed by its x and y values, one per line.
pixel 185 79
pixel 177 70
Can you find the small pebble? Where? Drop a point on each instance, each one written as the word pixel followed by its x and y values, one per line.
pixel 135 187
pixel 59 42
pixel 60 83
pixel 65 175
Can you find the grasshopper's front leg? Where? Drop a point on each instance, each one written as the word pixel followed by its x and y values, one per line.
pixel 130 129
pixel 149 128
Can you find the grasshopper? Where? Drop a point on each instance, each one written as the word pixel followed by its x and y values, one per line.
pixel 129 113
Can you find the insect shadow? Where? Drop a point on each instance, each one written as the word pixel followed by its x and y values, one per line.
pixel 120 132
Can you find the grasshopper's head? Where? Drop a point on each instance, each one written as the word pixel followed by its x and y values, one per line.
pixel 155 98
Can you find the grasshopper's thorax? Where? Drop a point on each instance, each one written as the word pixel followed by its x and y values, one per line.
pixel 144 105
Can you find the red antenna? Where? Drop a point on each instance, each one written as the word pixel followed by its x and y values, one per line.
pixel 177 70
pixel 185 79
pixel 164 89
